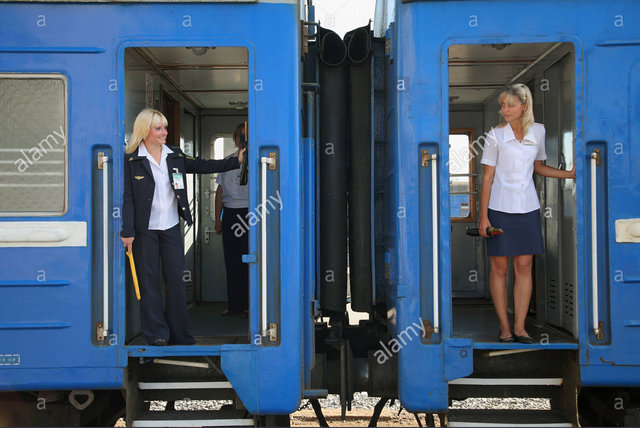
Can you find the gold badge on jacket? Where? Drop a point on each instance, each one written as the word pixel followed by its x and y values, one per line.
pixel 139 177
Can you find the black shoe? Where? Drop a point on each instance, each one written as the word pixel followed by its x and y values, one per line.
pixel 159 342
pixel 229 313
pixel 523 339
pixel 504 339
pixel 244 314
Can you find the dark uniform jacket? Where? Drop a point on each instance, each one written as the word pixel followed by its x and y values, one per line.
pixel 139 186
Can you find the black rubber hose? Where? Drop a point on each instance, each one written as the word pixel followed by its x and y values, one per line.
pixel 360 192
pixel 333 172
pixel 359 44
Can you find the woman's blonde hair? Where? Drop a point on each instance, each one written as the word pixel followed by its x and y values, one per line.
pixel 523 94
pixel 141 127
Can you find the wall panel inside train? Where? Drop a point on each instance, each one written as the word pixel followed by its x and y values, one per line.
pixel 477 74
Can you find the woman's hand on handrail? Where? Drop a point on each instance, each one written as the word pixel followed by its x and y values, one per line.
pixel 548 171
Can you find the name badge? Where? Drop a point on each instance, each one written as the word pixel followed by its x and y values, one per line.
pixel 178 181
pixel 529 143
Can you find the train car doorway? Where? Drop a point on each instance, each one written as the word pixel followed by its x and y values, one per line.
pixel 477 74
pixel 203 92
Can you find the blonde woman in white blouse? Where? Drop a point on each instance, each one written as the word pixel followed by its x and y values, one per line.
pixel 513 152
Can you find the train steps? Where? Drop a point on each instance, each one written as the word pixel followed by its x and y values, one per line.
pixel 500 374
pixel 184 380
pixel 506 418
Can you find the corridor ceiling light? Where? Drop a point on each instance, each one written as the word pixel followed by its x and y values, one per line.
pixel 199 51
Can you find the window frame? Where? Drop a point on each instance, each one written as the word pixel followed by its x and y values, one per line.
pixel 471 218
pixel 65 202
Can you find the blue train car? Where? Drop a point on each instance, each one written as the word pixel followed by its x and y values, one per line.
pixel 73 78
pixel 448 61
pixel 364 174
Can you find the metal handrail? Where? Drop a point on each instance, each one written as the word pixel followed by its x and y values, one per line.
pixel 264 164
pixel 104 163
pixel 594 245
pixel 434 218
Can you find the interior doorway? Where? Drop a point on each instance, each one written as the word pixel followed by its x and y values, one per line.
pixel 477 74
pixel 203 92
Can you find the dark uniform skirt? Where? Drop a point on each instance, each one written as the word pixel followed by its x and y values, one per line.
pixel 522 234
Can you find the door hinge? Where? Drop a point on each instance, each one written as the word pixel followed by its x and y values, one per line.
pixel 425 158
pixel 273 332
pixel 101 160
pixel 273 164
pixel 100 332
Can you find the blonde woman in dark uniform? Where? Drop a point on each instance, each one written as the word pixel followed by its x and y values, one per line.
pixel 155 196
pixel 513 151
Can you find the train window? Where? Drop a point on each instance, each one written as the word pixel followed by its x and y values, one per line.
pixel 461 175
pixel 33 148
pixel 221 147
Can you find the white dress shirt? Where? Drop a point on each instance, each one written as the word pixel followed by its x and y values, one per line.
pixel 164 207
pixel 233 194
pixel 513 190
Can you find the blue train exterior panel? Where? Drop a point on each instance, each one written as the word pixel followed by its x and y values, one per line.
pixel 49 324
pixel 607 49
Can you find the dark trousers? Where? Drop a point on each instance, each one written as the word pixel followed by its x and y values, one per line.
pixel 235 241
pixel 159 255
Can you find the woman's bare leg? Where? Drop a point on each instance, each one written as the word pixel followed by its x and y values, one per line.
pixel 522 292
pixel 498 287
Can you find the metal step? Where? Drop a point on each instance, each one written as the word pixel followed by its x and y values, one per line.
pixel 467 387
pixel 179 390
pixel 551 381
pixel 188 418
pixel 194 423
pixel 185 385
pixel 506 418
pixel 181 379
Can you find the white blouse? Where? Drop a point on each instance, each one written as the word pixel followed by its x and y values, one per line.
pixel 164 207
pixel 233 194
pixel 513 190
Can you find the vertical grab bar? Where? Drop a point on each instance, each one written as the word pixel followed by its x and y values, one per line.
pixel 434 233
pixel 595 160
pixel 264 163
pixel 103 164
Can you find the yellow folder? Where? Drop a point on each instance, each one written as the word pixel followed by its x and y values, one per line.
pixel 133 274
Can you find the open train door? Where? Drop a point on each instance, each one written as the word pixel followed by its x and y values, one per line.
pixel 58 233
pixel 610 329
